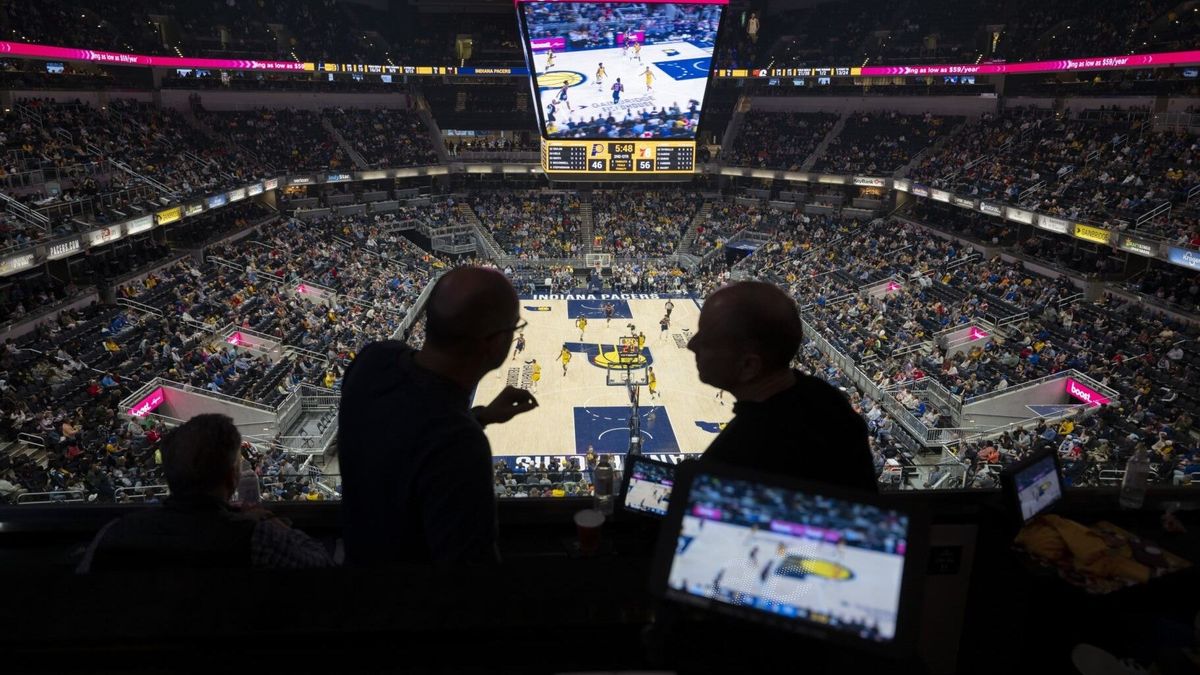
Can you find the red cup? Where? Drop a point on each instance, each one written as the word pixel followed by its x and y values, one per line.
pixel 587 528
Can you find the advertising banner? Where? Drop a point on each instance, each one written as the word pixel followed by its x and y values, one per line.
pixel 1091 233
pixel 255 189
pixel 868 181
pixel 237 195
pixel 1125 61
pixel 271 184
pixel 217 201
pixel 103 235
pixel 1082 392
pixel 63 249
pixel 16 263
pixel 940 195
pixel 1053 224
pixel 963 202
pixel 920 190
pixel 1138 246
pixel 1184 257
pixel 169 215
pixel 1019 215
pixel 902 184
pixel 193 209
pixel 990 209
pixel 147 405
pixel 139 224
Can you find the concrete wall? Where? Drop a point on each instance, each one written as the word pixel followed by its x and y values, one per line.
pixel 185 405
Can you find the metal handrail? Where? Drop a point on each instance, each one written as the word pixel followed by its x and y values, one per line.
pixel 25 497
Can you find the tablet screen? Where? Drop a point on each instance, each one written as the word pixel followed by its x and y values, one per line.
pixel 799 556
pixel 649 486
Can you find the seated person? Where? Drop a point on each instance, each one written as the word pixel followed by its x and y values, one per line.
pixel 197 527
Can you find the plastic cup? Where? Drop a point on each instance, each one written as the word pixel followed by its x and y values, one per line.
pixel 587 529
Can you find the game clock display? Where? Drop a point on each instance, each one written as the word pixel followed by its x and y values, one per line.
pixel 617 157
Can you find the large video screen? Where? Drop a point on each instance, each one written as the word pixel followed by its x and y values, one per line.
pixel 797 556
pixel 620 69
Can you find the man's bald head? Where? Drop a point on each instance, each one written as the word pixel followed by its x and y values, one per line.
pixel 469 303
pixel 761 318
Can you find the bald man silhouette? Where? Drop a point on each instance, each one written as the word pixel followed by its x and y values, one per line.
pixel 786 422
pixel 416 466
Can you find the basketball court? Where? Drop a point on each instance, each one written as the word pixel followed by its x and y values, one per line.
pixel 590 405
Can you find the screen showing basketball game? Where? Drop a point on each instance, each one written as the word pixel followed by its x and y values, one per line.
pixel 1038 487
pixel 649 485
pixel 802 557
pixel 604 70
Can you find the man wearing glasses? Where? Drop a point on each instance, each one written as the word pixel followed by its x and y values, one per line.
pixel 416 465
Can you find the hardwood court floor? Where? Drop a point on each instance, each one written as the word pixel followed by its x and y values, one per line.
pixel 581 408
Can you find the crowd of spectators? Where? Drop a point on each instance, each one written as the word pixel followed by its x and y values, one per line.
pixel 531 224
pixel 1108 167
pixel 880 143
pixel 779 140
pixel 642 223
pixel 385 138
pixel 291 140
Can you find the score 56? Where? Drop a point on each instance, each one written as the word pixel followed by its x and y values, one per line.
pixel 645 165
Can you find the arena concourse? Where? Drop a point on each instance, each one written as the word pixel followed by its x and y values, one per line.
pixel 987 266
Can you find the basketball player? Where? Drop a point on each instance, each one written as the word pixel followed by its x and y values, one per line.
pixel 565 357
pixel 637 51
pixel 549 60
pixel 551 108
pixel 536 376
pixel 670 306
pixel 720 396
pixel 663 324
pixel 649 78
pixel 608 313
pixel 581 324
pixel 625 45
pixel 520 346
pixel 617 88
pixel 652 382
pixel 562 95
pixel 600 73
pixel 641 341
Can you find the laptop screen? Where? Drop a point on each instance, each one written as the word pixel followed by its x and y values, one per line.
pixel 803 559
pixel 649 485
pixel 1038 487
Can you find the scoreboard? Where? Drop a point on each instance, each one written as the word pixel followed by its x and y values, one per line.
pixel 628 157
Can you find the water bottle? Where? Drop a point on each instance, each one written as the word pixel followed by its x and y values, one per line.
pixel 1133 485
pixel 602 499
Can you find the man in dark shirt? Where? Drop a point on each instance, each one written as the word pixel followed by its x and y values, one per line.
pixel 197 527
pixel 785 422
pixel 416 465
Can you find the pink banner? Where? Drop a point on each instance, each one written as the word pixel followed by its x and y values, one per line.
pixel 72 54
pixel 706 512
pixel 1161 59
pixel 144 406
pixel 542 44
pixel 977 334
pixel 1085 393
pixel 235 339
pixel 640 36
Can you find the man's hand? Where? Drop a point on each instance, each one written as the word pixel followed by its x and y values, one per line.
pixel 508 404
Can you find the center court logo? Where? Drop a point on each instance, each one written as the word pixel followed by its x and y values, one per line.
pixel 606 356
pixel 802 567
pixel 555 79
